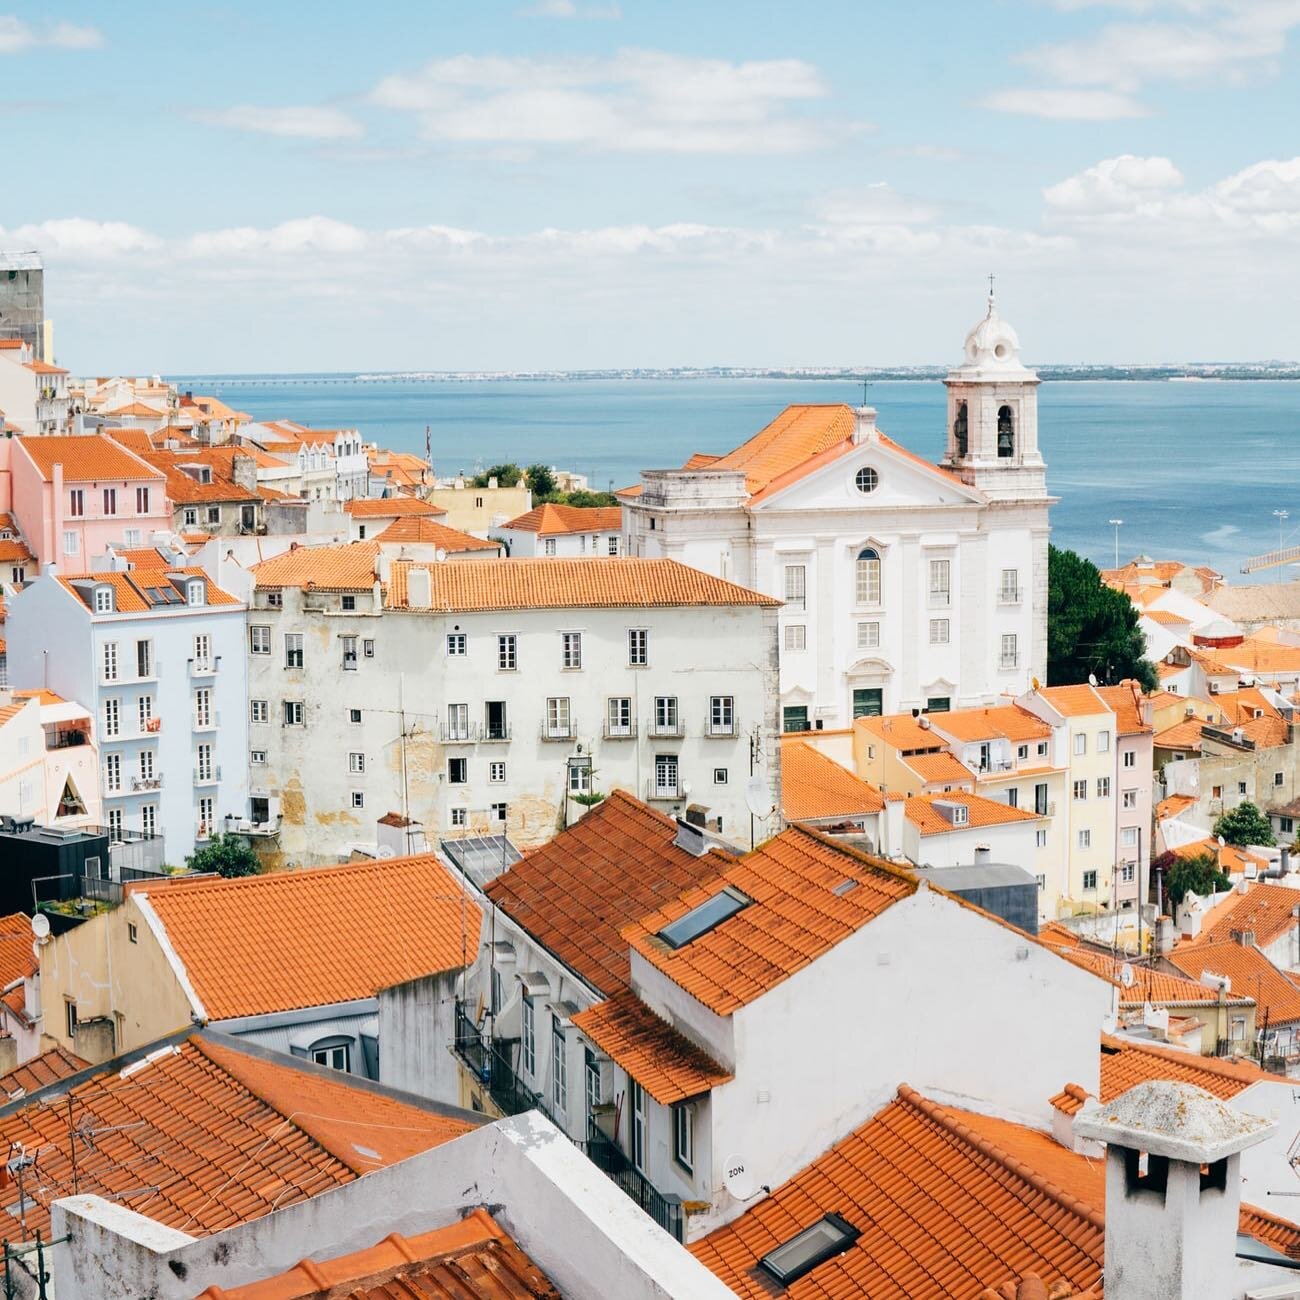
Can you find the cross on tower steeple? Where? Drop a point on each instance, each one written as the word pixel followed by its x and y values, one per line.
pixel 990 291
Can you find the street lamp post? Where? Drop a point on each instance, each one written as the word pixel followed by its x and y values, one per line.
pixel 1281 517
pixel 1115 524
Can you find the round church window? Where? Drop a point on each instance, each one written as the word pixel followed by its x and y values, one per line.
pixel 867 479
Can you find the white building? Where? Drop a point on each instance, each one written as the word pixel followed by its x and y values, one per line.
pixel 563 531
pixel 33 393
pixel 906 584
pixel 157 653
pixel 496 696
pixel 49 764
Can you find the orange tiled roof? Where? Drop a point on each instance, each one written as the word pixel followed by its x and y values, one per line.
pixel 41 1071
pixel 1265 910
pixel 795 436
pixel 1007 720
pixel 1173 805
pixel 1258 655
pixel 1243 705
pixel 1168 617
pixel 795 916
pixel 1074 701
pixel 225 1136
pixel 389 507
pixel 814 786
pixel 903 731
pixel 575 892
pixel 86 458
pixel 939 767
pixel 1125 701
pixel 16 959
pixel 1251 973
pixel 943 1208
pixel 324 568
pixel 44 368
pixel 1125 1063
pixel 1182 735
pixel 131 588
pixel 14 551
pixel 373 925
pixel 137 410
pixel 665 1063
pixel 183 488
pixel 922 813
pixel 549 519
pixel 421 528
pixel 1230 858
pixel 593 583
pixel 1058 935
pixel 472 1258
pixel 1154 986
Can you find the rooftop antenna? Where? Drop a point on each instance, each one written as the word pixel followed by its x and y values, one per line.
pixel 990 293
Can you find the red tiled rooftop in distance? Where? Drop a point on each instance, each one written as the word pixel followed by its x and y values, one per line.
pixel 389 507
pixel 86 458
pixel 815 787
pixel 549 520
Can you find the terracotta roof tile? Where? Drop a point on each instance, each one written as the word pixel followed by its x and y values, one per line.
pixel 903 731
pixel 1074 701
pixel 939 767
pixel 593 583
pixel 549 519
pixel 421 528
pixel 574 893
pixel 796 435
pixel 1004 720
pixel 1126 1063
pixel 923 814
pixel 41 1071
pixel 202 1136
pixel 389 507
pixel 1266 910
pixel 1173 806
pixel 665 1063
pixel 1125 701
pixel 1251 973
pixel 137 411
pixel 795 916
pixel 1154 986
pixel 472 1258
pixel 183 487
pixel 16 959
pixel 131 589
pixel 814 786
pixel 325 568
pixel 86 458
pixel 356 929
pixel 1184 735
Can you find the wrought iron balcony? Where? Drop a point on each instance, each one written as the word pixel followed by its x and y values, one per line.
pixel 608 1156
pixel 492 1061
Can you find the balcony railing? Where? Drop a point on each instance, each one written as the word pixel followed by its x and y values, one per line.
pixel 496 735
pixel 1009 596
pixel 65 739
pixel 492 1062
pixel 722 730
pixel 210 722
pixel 209 775
pixel 139 783
pixel 559 730
pixel 655 789
pixel 1009 661
pixel 459 734
pixel 673 730
pixel 205 667
pixel 609 1157
pixel 620 730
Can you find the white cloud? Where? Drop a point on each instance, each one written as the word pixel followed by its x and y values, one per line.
pixel 80 239
pixel 1115 184
pixel 16 35
pixel 634 101
pixel 1066 105
pixel 568 9
pixel 306 122
pixel 303 235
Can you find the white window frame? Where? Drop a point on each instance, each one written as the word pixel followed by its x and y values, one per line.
pixel 571 651
pixel 638 647
pixel 507 652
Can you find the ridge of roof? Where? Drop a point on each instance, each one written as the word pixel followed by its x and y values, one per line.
pixel 552 518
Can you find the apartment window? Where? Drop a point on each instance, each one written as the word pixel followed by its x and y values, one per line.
pixel 1080 791
pixel 722 715
pixel 458 722
pixel 113 772
pixel 70 1020
pixel 349 654
pixel 110 661
pixel 1128 837
pixel 938 703
pixel 868 636
pixel 1241 787
pixel 866 577
pixel 559 1071
pixel 456 643
pixel 548 545
pixel 257 757
pixel 1129 799
pixel 144 710
pixel 719 776
pixel 190 517
pixel 529 1061
pixel 275 600
pixel 103 600
pixel 1103 787
pixel 114 827
pixel 333 1058
pixel 1103 742
pixel 110 501
pixel 507 652
pixel 147 764
pixel 1286 825
pixel 148 823
pixel 368 648
pixel 497 772
pixel 618 716
pixel 796 636
pixel 1130 758
pixel 684 1136
pixel 796 577
pixel 459 817
pixel 1040 798
pixel 358 799
pixel 203 707
pixel 638 1124
pixel 1089 877
pixel 940 582
pixel 938 631
pixel 259 639
pixel 557 716
pixel 293 713
pixel 214 514
pixel 1022 752
pixel 458 771
pixel 142 500
pixel 1085 840
pixel 354 716
pixel 1009 588
pixel 1080 743
pixel 1010 655
pixel 112 718
pixel 1277 778
pixel 1013 797
pixel 132 537
pixel 666 713
pixel 70 547
pixel 571 649
pixel 591 1073
pixel 293 650
pixel 1042 749
pixel 203 768
pixel 499 811
pixel 495 717
pixel 613 546
pixel 356 762
pixel 202 651
pixel 349 604
pixel 76 503
pixel 1040 839
pixel 638 647
pixel 794 717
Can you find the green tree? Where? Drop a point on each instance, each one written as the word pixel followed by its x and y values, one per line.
pixel 227 855
pixel 584 498
pixel 541 481
pixel 507 475
pixel 1244 825
pixel 1199 875
pixel 1091 628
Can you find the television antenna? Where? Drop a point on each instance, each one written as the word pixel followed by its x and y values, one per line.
pixel 1126 976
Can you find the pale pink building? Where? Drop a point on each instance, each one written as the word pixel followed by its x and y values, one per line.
pixel 72 496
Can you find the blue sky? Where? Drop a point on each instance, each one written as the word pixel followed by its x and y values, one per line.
pixel 619 182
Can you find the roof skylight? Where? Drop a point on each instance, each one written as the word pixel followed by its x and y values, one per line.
pixel 703 918
pixel 828 1237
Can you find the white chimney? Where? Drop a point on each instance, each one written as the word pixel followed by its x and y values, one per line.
pixel 419 588
pixel 864 425
pixel 983 855
pixel 1171 1230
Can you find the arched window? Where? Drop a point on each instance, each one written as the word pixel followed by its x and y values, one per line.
pixel 867 578
pixel 959 429
pixel 1006 432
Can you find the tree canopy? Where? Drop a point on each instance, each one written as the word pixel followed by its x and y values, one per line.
pixel 506 475
pixel 541 480
pixel 227 855
pixel 1091 628
pixel 1199 875
pixel 1244 825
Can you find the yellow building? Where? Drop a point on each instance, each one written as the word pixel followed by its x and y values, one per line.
pixel 476 509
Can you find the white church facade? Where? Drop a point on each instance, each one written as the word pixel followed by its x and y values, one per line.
pixel 906 585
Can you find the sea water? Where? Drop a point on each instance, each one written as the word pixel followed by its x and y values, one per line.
pixel 1194 469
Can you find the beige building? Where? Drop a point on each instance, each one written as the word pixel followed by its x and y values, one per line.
pixel 477 509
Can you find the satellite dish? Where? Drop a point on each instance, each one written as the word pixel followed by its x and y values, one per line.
pixel 1092 679
pixel 738 1179
pixel 1126 975
pixel 440 554
pixel 758 798
pixel 1222 842
pixel 41 925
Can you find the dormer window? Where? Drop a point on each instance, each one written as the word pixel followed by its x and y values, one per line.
pixel 1006 432
pixel 194 592
pixel 707 916
pixel 103 600
pixel 828 1237
pixel 960 430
